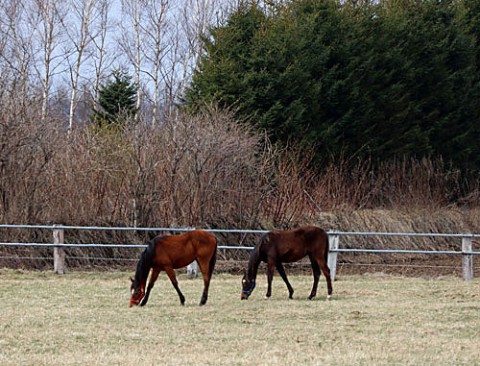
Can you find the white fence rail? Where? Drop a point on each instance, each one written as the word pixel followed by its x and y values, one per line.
pixel 58 244
pixel 466 251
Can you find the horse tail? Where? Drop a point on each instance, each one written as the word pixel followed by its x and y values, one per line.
pixel 213 259
pixel 327 247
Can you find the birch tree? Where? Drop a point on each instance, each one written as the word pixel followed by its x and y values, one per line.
pixel 80 35
pixel 3 39
pixel 197 16
pixel 131 41
pixel 45 18
pixel 100 60
pixel 154 30
pixel 17 54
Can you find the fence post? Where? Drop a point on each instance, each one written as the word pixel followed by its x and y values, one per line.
pixel 58 252
pixel 192 270
pixel 467 259
pixel 334 242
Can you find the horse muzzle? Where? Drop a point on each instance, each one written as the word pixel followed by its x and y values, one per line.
pixel 246 293
pixel 133 303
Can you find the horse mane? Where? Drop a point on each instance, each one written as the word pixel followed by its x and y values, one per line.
pixel 254 259
pixel 144 264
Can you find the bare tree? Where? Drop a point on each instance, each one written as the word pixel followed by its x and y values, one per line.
pixel 17 53
pixel 100 60
pixel 192 20
pixel 45 17
pixel 154 32
pixel 3 36
pixel 131 41
pixel 79 29
pixel 162 40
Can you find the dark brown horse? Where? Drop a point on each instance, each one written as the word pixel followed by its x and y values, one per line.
pixel 166 253
pixel 277 247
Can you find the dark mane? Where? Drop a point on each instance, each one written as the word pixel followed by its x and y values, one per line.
pixel 254 259
pixel 144 264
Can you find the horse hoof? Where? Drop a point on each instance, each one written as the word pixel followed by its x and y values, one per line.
pixel 329 297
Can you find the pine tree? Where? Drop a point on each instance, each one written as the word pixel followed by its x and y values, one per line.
pixel 116 103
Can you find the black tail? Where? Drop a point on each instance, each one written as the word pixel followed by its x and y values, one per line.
pixel 327 249
pixel 213 260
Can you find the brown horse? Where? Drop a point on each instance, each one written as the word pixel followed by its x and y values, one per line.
pixel 277 247
pixel 167 253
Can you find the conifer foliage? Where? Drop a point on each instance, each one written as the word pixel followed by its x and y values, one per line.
pixel 381 80
pixel 116 102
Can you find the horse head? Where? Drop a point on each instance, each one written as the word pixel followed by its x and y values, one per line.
pixel 138 293
pixel 247 285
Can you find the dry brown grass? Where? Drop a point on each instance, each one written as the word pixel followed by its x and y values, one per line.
pixel 82 318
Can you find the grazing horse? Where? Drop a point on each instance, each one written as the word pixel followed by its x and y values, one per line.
pixel 277 247
pixel 166 253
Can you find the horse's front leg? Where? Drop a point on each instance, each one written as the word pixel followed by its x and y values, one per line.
pixel 173 279
pixel 281 270
pixel 270 270
pixel 151 282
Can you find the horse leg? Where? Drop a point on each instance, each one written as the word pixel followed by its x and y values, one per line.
pixel 207 272
pixel 316 276
pixel 281 270
pixel 173 279
pixel 151 282
pixel 326 272
pixel 270 269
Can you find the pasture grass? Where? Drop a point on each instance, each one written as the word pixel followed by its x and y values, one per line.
pixel 83 319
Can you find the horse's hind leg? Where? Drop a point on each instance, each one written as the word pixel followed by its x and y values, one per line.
pixel 316 275
pixel 173 279
pixel 206 284
pixel 151 282
pixel 282 273
pixel 207 266
pixel 326 273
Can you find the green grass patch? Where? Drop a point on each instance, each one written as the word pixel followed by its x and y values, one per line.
pixel 83 319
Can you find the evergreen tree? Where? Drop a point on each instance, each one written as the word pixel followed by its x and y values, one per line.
pixel 116 101
pixel 383 80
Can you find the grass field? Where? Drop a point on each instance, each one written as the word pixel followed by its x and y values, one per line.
pixel 83 319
